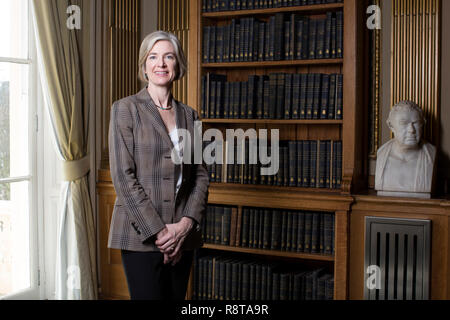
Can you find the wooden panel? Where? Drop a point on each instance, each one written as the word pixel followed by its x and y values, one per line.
pixel 415 61
pixel 341 255
pixel 433 210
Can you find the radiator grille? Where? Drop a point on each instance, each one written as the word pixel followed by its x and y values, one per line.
pixel 397 259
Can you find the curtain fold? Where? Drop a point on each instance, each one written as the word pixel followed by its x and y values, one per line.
pixel 59 50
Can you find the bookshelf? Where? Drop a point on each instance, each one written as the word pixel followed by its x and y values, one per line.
pixel 348 130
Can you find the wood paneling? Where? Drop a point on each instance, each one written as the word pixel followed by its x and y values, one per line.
pixel 415 69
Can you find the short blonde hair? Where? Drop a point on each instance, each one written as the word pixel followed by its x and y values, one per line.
pixel 147 45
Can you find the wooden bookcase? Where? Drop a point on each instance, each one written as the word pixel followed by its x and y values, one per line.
pixel 349 130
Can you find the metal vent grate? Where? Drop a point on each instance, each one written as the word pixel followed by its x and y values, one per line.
pixel 397 259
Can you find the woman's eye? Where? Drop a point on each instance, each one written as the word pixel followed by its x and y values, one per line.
pixel 170 57
pixel 151 57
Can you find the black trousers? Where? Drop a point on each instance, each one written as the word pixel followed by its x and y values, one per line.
pixel 149 278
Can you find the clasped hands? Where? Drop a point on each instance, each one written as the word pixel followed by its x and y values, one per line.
pixel 170 239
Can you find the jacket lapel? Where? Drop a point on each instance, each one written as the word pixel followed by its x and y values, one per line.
pixel 146 100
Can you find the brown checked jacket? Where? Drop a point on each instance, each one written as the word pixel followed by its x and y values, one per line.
pixel 143 175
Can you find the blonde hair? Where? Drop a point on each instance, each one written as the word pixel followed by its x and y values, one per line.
pixel 147 45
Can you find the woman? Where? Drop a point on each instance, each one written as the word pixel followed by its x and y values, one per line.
pixel 159 204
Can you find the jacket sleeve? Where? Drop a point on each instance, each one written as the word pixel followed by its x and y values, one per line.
pixel 130 193
pixel 198 197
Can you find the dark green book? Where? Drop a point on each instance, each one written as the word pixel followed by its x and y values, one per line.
pixel 315 233
pixel 199 278
pixel 314 164
pixel 289 231
pixel 251 97
pixel 234 280
pixel 338 164
pixel 310 95
pixel 266 99
pixel 244 102
pixel 219 101
pixel 263 282
pixel 256 226
pixel 329 288
pixel 332 97
pixel 252 274
pixel 237 100
pixel 228 279
pixel 325 97
pixel 275 286
pixel 292 36
pixel 245 227
pixel 216 278
pixel 287 40
pixel 261 41
pixel 322 234
pixel 305 41
pixel 294 231
pixel 327 44
pixel 320 45
pixel 328 165
pixel 226 101
pixel 267 41
pixel 232 38
pixel 251 38
pixel 339 96
pixel 312 38
pixel 272 37
pixel 296 78
pixel 292 163
pixel 276 229
pixel 278 40
pixel 210 291
pixel 339 34
pixel 299 155
pixel 304 80
pixel 226 43
pixel 333 38
pixel 322 163
pixel 213 99
pixel 251 228
pixel 280 102
pixel 301 232
pixel 328 233
pixel 254 37
pixel 222 279
pixel 218 217
pixel 288 96
pixel 212 45
pixel 306 164
pixel 219 43
pixel 308 232
pixel 285 286
pixel 226 226
pixel 238 28
pixel 299 47
pixel 260 97
pixel 284 222
pixel 257 281
pixel 273 95
pixel 285 166
pixel 316 96
pixel 267 229
pixel 206 43
pixel 245 286
pixel 209 224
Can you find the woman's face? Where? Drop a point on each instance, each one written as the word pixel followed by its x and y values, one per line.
pixel 161 63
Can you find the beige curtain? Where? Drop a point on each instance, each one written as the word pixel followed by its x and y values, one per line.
pixel 64 79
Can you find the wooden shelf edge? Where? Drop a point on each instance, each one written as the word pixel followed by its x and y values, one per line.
pixel 309 8
pixel 281 63
pixel 276 121
pixel 273 253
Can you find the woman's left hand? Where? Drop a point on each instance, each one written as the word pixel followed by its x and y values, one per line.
pixel 171 241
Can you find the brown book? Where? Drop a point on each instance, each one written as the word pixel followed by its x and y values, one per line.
pixel 238 226
pixel 233 227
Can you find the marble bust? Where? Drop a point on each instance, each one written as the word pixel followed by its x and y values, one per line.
pixel 405 164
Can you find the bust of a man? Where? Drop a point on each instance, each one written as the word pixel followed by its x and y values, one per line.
pixel 405 164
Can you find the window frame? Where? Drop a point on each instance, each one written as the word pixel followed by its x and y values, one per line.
pixel 35 106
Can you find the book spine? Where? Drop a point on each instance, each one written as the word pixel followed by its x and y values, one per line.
pixel 332 97
pixel 322 163
pixel 325 96
pixel 320 39
pixel 226 226
pixel 339 34
pixel 252 86
pixel 310 96
pixel 299 159
pixel 296 96
pixel 328 165
pixel 313 164
pixel 339 96
pixel 312 38
pixel 267 229
pixel 289 231
pixel 245 281
pixel 308 233
pixel 294 231
pixel 301 232
pixel 276 230
pixel 333 38
pixel 288 96
pixel 316 95
pixel 315 233
pixel 284 221
pixel 261 41
pixel 273 78
pixel 306 163
pixel 245 227
pixel 327 44
pixel 266 99
pixel 280 95
pixel 287 40
pixel 292 163
pixel 226 107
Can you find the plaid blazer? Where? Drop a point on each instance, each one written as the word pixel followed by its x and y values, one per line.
pixel 143 175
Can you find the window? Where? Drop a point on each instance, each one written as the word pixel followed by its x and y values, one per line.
pixel 18 209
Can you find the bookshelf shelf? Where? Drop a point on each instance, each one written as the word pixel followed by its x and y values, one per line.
pixel 279 121
pixel 242 13
pixel 273 64
pixel 272 253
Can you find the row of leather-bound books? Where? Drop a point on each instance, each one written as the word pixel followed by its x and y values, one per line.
pixel 286 96
pixel 304 164
pixel 282 37
pixel 270 229
pixel 218 277
pixel 230 5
